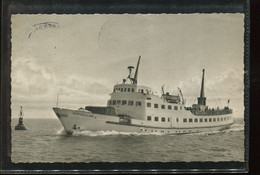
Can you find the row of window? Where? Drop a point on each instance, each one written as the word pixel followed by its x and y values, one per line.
pixel 132 90
pixel 205 119
pixel 185 120
pixel 138 103
pixel 124 89
pixel 162 106
pixel 82 114
pixel 163 119
pixel 124 102
pixel 167 131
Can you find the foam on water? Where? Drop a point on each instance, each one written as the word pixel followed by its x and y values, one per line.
pixel 103 133
pixel 61 132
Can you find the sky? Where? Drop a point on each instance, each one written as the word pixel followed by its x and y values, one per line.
pixel 82 57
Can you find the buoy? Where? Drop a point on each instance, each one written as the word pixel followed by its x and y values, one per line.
pixel 20 125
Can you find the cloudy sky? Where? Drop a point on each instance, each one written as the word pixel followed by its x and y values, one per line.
pixel 83 56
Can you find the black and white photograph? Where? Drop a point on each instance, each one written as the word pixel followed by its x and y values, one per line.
pixel 127 88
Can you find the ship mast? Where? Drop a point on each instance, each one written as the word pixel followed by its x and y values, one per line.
pixel 133 80
pixel 57 103
pixel 136 71
pixel 202 98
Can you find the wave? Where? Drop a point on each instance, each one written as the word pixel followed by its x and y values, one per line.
pixel 236 127
pixel 61 132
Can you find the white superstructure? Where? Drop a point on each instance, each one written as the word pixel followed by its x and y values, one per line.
pixel 136 108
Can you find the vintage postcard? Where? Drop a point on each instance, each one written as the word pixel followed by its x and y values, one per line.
pixel 127 88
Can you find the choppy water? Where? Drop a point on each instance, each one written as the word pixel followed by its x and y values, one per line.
pixel 45 141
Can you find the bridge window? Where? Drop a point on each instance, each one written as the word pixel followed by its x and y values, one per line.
pixel 148 98
pixel 169 107
pixel 109 102
pixel 163 119
pixel 131 103
pixel 163 106
pixel 149 118
pixel 133 89
pixel 205 120
pixel 156 119
pixel 138 103
pixel 148 104
pixel 168 119
pixel 221 118
pixel 224 118
pixel 124 89
pixel 175 107
pixel 214 119
pixel 180 107
pixel 142 91
pixel 114 102
pixel 128 89
pixel 185 120
pixel 155 105
pixel 177 119
pixel 195 120
pixel 217 119
pixel 114 89
pixel 210 119
pixel 201 120
pixel 190 119
pixel 123 102
pixel 121 89
pixel 118 102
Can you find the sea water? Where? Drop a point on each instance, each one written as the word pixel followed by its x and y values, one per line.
pixel 46 141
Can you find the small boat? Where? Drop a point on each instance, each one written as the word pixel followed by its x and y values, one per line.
pixel 136 108
pixel 20 125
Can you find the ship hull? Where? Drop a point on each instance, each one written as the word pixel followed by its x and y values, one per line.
pixel 73 120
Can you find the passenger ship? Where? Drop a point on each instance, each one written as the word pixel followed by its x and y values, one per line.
pixel 137 108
